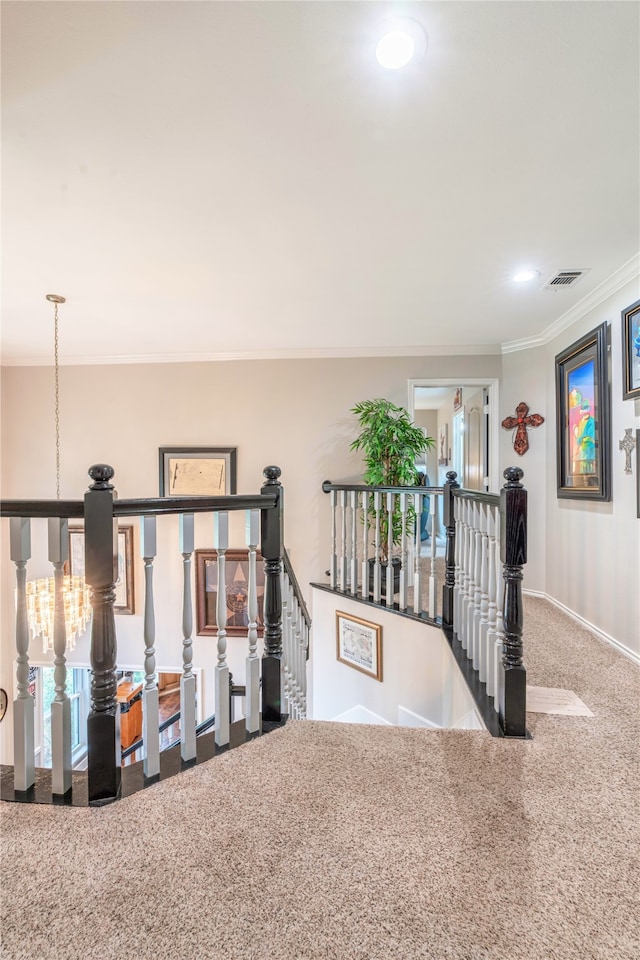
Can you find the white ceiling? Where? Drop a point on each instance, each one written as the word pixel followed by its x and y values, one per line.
pixel 204 179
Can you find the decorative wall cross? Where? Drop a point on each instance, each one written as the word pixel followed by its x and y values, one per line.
pixel 627 444
pixel 521 421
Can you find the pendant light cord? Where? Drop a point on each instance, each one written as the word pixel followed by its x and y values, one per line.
pixel 57 407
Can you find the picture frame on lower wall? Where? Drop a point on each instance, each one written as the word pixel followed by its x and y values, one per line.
pixel 197 471
pixel 359 644
pixel 236 578
pixel 124 602
pixel 583 418
pixel 631 352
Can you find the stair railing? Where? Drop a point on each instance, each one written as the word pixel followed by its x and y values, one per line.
pixel 264 676
pixel 362 534
pixel 486 549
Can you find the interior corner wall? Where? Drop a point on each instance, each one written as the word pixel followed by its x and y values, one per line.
pixel 585 555
pixel 294 413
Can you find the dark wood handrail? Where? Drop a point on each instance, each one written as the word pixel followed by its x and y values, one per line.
pixel 327 487
pixel 66 509
pixel 296 587
pixel 493 499
pixel 157 506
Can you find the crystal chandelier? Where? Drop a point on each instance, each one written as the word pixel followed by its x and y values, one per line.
pixel 41 593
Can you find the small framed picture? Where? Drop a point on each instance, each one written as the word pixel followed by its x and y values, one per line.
pixel 359 644
pixel 457 398
pixel 583 425
pixel 236 579
pixel 197 471
pixel 631 352
pixel 443 458
pixel 125 600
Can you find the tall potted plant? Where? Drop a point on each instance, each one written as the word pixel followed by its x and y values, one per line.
pixel 390 444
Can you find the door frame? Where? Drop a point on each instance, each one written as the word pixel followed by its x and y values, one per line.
pixel 492 385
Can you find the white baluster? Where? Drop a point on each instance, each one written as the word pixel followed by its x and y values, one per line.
pixel 433 610
pixel 365 546
pixel 286 592
pixel 403 562
pixel 497 657
pixel 477 595
pixel 334 544
pixel 466 581
pixel 188 679
pixel 150 705
pixel 353 497
pixel 24 772
pixel 61 706
pixel 252 668
pixel 457 586
pixel 483 620
pixel 295 637
pixel 473 584
pixel 221 543
pixel 417 577
pixel 343 542
pixel 389 584
pixel 491 606
pixel 377 569
pixel 304 643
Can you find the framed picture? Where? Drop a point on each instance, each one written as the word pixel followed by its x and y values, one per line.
pixel 236 591
pixel 359 644
pixel 583 440
pixel 631 352
pixel 457 398
pixel 443 458
pixel 197 471
pixel 125 600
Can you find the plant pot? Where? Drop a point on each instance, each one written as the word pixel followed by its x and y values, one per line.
pixel 396 565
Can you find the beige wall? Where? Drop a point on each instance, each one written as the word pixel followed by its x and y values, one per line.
pixel 293 413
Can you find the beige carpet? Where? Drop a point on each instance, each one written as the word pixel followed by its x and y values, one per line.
pixel 346 841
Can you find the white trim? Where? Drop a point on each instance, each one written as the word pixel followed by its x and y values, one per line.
pixel 627 272
pixel 631 654
pixel 299 353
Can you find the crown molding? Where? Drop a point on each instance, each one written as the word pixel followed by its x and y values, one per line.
pixel 623 275
pixel 303 353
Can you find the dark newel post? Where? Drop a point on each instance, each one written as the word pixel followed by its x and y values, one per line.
pixel 449 556
pixel 271 548
pixel 103 725
pixel 512 678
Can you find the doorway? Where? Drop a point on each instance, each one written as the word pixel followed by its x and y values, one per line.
pixel 465 414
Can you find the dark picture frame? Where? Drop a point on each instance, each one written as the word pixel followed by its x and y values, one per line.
pixel 583 418
pixel 236 584
pixel 124 602
pixel 631 352
pixel 359 644
pixel 197 471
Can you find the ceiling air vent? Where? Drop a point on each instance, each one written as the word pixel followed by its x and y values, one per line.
pixel 564 278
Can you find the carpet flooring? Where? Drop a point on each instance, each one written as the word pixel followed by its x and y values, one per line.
pixel 349 842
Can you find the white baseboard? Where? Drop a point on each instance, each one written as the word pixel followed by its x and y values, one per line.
pixel 631 654
pixel 360 714
pixel 407 718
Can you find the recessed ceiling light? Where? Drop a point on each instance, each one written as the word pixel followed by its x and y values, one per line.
pixel 525 275
pixel 400 40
